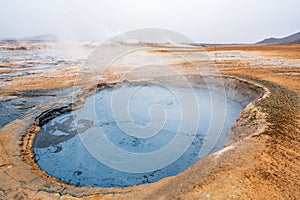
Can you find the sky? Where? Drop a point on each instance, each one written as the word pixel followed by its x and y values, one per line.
pixel 208 21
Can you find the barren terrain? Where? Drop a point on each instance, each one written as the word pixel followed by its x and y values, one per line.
pixel 261 161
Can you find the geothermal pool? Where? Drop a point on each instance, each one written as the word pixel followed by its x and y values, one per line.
pixel 134 120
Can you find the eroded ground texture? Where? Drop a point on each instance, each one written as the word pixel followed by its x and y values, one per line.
pixel 262 157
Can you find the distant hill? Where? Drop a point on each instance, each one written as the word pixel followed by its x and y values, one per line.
pixel 44 37
pixel 37 38
pixel 292 39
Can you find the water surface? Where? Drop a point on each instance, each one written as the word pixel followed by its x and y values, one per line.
pixel 61 152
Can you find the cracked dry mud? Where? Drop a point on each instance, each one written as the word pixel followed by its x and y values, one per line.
pixel 261 159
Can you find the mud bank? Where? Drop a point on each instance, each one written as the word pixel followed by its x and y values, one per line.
pixel 61 149
pixel 245 92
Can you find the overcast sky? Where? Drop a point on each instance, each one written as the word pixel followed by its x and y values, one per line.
pixel 211 21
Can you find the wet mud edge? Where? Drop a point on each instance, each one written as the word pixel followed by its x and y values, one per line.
pixel 249 89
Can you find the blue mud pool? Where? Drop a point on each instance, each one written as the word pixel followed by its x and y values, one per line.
pixel 96 144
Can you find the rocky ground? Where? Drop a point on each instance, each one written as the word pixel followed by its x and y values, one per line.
pixel 261 161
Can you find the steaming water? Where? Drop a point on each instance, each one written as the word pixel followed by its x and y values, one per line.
pixel 60 152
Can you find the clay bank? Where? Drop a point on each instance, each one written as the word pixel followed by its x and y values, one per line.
pixel 71 146
pixel 62 144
